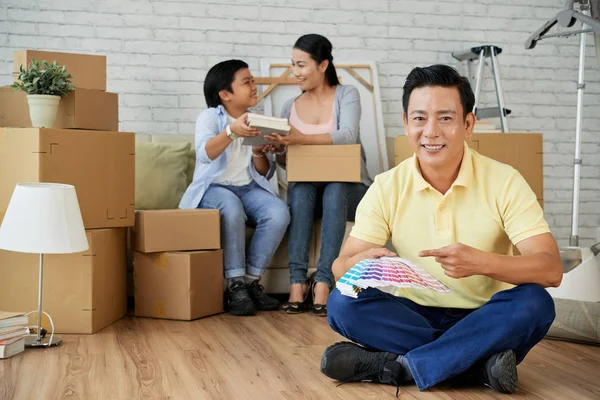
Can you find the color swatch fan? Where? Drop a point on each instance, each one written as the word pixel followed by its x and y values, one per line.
pixel 386 272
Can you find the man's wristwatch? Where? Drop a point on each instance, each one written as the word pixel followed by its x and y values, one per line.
pixel 230 134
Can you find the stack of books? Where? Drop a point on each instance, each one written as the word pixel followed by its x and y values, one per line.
pixel 267 126
pixel 12 333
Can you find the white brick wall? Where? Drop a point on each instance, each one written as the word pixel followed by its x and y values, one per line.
pixel 159 51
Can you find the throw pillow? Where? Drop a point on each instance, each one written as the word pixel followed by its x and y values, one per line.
pixel 160 175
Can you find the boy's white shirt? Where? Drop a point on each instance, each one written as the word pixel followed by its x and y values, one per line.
pixel 236 173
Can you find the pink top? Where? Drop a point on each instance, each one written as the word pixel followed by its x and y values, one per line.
pixel 313 129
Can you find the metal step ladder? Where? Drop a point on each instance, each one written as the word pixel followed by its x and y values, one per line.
pixel 480 53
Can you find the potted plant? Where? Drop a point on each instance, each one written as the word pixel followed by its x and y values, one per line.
pixel 45 83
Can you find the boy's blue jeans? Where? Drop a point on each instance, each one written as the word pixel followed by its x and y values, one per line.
pixel 241 205
pixel 440 343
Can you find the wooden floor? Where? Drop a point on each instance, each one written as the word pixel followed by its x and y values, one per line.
pixel 270 356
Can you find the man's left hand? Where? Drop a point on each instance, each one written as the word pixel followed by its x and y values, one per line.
pixel 458 260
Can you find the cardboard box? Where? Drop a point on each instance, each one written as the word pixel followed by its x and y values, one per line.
pixel 88 71
pixel 323 163
pixel 99 164
pixel 176 230
pixel 178 285
pixel 80 109
pixel 522 151
pixel 82 292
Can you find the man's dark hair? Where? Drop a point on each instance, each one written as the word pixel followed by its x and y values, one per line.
pixel 319 48
pixel 220 77
pixel 439 75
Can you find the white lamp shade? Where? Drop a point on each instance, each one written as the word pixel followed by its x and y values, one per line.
pixel 43 218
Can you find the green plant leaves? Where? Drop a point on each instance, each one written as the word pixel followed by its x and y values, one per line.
pixel 42 77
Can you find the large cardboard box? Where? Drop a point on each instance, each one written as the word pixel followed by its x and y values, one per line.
pixel 82 292
pixel 323 163
pixel 178 285
pixel 99 164
pixel 88 71
pixel 175 230
pixel 80 109
pixel 522 151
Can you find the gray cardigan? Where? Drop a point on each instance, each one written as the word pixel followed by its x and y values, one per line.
pixel 347 112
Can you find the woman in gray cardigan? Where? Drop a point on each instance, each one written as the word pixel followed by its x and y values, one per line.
pixel 325 113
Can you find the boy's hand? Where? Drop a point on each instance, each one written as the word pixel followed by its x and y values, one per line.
pixel 240 128
pixel 260 150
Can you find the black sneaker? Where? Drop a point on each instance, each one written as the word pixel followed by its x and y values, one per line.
pixel 239 300
pixel 349 362
pixel 260 299
pixel 500 372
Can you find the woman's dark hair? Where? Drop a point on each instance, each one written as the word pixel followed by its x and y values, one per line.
pixel 319 48
pixel 220 77
pixel 439 75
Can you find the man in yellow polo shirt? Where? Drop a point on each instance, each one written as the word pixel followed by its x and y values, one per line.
pixel 456 214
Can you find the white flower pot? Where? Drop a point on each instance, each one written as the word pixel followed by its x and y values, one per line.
pixel 42 110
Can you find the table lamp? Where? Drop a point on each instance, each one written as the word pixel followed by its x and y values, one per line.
pixel 43 218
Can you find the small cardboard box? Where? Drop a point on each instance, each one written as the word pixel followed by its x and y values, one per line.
pixel 80 109
pixel 83 292
pixel 99 164
pixel 522 151
pixel 324 163
pixel 178 285
pixel 88 71
pixel 175 230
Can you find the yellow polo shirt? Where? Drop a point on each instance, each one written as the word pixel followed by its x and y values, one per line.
pixel 489 207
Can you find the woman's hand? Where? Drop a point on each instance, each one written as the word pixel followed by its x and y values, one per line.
pixel 240 127
pixel 294 137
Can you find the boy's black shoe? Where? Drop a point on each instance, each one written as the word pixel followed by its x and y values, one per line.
pixel 260 299
pixel 239 301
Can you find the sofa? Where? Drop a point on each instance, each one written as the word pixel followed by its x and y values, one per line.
pixel 276 278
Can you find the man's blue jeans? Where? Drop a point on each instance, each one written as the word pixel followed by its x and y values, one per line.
pixel 305 206
pixel 247 205
pixel 440 343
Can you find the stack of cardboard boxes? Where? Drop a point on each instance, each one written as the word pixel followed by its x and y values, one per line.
pixel 178 264
pixel 83 292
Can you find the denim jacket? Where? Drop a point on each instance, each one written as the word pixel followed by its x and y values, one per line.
pixel 209 124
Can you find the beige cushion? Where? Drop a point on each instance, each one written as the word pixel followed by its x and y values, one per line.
pixel 160 174
pixel 576 321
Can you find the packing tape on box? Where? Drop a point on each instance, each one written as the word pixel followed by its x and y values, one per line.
pixel 161 261
pixel 159 309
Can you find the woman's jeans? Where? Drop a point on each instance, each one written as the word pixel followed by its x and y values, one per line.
pixel 307 202
pixel 247 205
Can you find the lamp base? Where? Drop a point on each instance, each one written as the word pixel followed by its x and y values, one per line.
pixel 31 341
